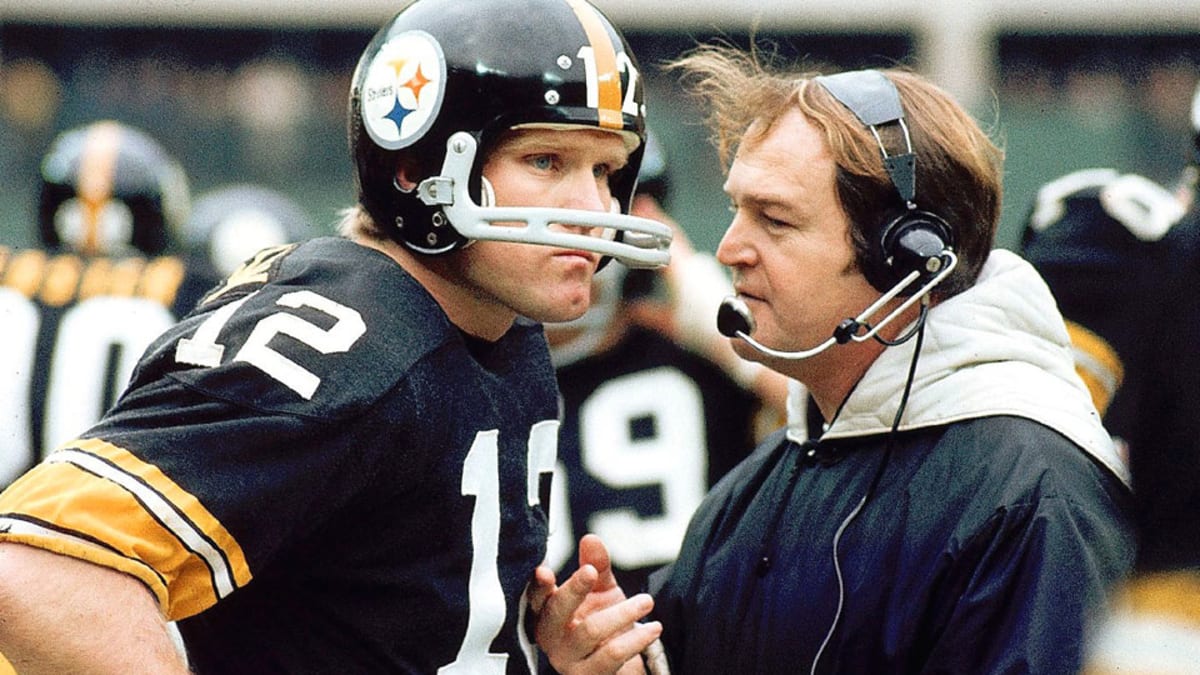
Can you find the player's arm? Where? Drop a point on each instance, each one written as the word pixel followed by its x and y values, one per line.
pixel 63 615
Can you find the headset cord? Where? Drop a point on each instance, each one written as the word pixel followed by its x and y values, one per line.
pixel 887 453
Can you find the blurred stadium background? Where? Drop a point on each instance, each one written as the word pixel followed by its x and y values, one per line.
pixel 256 91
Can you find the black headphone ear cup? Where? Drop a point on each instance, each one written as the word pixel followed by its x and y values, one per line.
pixel 906 243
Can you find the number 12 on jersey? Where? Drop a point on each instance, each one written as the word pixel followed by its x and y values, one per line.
pixel 481 479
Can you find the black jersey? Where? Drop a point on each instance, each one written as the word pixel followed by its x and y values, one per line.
pixel 73 329
pixel 648 427
pixel 316 472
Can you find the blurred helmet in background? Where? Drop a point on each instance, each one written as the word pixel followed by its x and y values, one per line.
pixel 110 189
pixel 230 224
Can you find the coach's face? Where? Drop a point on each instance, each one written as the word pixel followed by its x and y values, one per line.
pixel 790 251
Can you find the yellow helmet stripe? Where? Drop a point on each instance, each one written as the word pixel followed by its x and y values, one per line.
pixel 97 174
pixel 608 78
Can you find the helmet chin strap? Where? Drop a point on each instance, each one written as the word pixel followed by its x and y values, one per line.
pixel 643 242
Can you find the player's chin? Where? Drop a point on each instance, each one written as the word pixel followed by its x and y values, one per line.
pixel 570 302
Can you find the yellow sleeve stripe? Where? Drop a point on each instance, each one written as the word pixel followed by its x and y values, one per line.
pixel 180 511
pixel 39 536
pixel 608 80
pixel 1097 363
pixel 163 509
pixel 100 492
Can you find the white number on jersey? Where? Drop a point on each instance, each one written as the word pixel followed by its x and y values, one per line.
pixel 18 342
pixel 87 334
pixel 481 479
pixel 81 376
pixel 202 349
pixel 675 458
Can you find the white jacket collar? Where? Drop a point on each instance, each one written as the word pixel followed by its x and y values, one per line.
pixel 999 348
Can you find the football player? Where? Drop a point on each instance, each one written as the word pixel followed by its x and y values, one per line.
pixel 1096 237
pixel 1154 618
pixel 651 419
pixel 79 311
pixel 1117 250
pixel 1108 245
pixel 338 462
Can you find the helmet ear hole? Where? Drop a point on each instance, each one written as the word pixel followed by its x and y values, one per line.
pixel 407 174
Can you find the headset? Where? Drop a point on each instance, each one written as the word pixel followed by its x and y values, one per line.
pixel 913 246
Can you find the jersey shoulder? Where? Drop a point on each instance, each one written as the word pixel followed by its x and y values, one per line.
pixel 322 328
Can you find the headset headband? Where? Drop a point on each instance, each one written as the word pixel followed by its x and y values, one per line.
pixel 874 100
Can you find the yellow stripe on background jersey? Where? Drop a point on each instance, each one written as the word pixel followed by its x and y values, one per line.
pixel 608 82
pixel 1097 363
pixel 25 271
pixel 1152 627
pixel 98 502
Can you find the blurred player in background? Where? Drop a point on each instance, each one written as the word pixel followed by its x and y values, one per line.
pixel 1153 625
pixel 231 223
pixel 78 312
pixel 656 406
pixel 1121 255
pixel 1097 237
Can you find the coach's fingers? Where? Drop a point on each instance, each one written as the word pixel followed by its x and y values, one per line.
pixel 604 625
pixel 592 551
pixel 605 639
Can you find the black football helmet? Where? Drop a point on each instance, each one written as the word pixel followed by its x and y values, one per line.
pixel 110 189
pixel 444 79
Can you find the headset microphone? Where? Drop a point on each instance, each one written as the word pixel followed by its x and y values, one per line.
pixel 735 321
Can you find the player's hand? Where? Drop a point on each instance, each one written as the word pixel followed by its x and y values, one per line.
pixel 587 626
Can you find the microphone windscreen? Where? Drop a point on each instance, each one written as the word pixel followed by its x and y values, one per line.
pixel 734 317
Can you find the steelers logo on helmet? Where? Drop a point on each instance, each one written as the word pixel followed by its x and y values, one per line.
pixel 403 88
